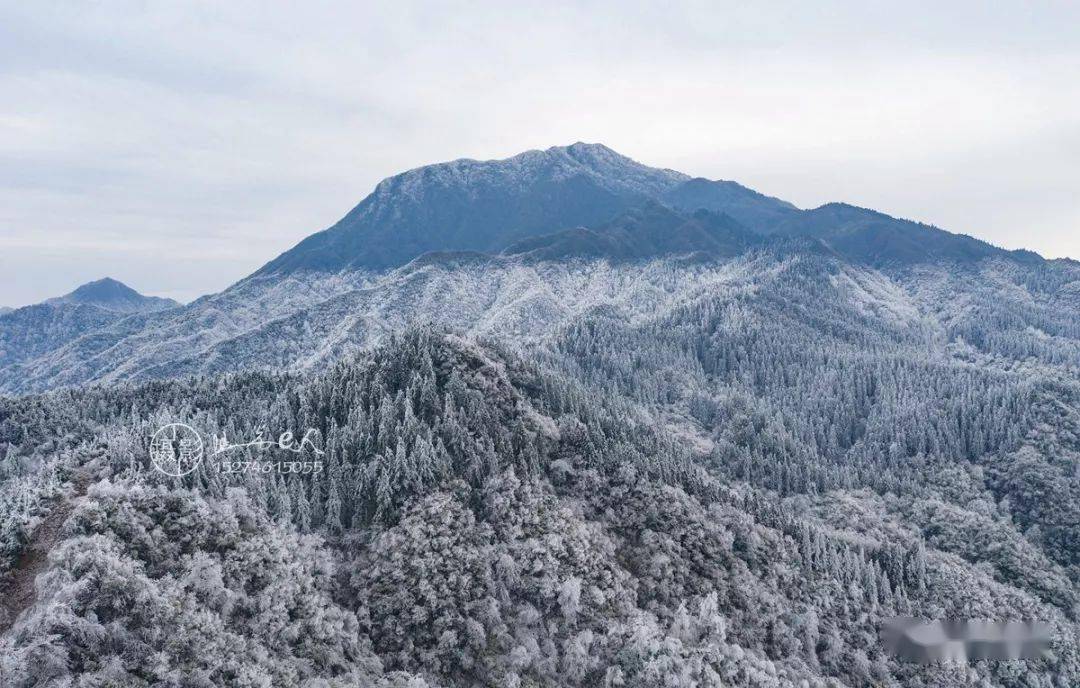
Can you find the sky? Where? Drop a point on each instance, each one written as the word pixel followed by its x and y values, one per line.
pixel 179 146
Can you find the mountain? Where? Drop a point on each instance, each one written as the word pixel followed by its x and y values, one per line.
pixel 877 239
pixel 253 326
pixel 496 205
pixel 587 424
pixel 737 492
pixel 647 231
pixel 482 206
pixel 750 208
pixel 996 308
pixel 36 330
pixel 113 296
pixel 499 237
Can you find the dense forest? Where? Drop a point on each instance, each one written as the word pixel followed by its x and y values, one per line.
pixel 735 493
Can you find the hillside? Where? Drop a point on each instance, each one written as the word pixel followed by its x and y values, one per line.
pixel 494 522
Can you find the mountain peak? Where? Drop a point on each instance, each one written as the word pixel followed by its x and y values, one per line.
pixel 113 295
pixel 597 154
pixel 586 151
pixel 582 146
pixel 106 287
pixel 479 205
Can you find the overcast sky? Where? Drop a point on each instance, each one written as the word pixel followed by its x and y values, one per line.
pixel 178 148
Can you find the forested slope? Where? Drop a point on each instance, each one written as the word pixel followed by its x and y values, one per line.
pixel 486 520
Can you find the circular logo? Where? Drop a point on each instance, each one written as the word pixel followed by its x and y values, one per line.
pixel 176 449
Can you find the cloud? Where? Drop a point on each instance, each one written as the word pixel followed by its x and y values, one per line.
pixel 179 147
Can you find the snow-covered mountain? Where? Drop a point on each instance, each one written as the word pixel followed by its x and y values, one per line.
pixel 114 296
pixel 587 423
pixel 521 246
pixel 752 209
pixel 478 205
pixel 41 328
pixel 643 232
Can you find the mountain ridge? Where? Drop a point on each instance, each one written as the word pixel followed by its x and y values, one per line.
pixel 751 208
pixel 629 232
pixel 41 328
pixel 646 231
pixel 490 206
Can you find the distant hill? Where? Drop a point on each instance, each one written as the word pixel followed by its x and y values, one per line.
pixel 874 238
pixel 115 296
pixel 40 328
